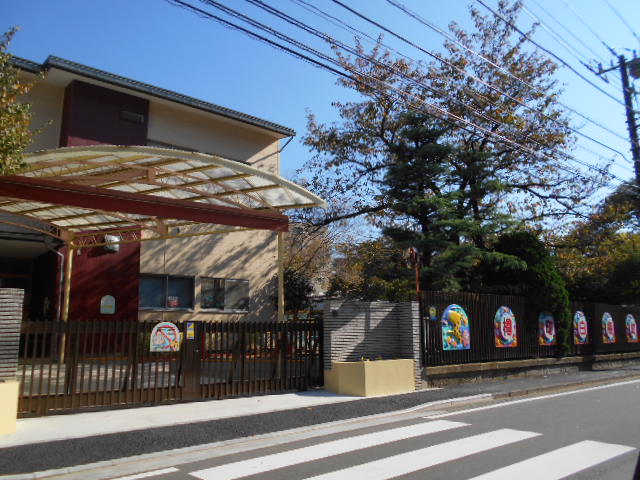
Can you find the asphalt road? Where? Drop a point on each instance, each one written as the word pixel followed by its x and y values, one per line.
pixel 587 434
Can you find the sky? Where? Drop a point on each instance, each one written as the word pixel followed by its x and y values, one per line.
pixel 155 42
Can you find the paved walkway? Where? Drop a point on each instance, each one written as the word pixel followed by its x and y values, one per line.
pixel 65 427
pixel 61 441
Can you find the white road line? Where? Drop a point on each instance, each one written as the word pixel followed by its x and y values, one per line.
pixel 527 400
pixel 322 450
pixel 410 462
pixel 148 474
pixel 559 463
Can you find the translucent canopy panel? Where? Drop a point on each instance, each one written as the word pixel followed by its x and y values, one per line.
pixel 82 193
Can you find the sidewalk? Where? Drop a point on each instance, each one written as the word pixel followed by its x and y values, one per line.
pixel 60 441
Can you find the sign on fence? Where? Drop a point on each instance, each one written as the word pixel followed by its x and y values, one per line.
pixel 455 329
pixel 165 337
pixel 608 328
pixel 632 329
pixel 580 329
pixel 505 328
pixel 546 329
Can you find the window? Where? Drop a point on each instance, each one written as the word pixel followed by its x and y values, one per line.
pixel 165 291
pixel 225 294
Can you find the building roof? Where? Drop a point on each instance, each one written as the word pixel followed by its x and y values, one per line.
pixel 145 88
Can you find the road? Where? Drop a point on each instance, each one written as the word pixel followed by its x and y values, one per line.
pixel 587 434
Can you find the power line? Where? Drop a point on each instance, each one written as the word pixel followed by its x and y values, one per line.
pixel 475 77
pixel 402 96
pixel 573 51
pixel 573 35
pixel 309 29
pixel 527 37
pixel 334 42
pixel 623 20
pixel 425 22
pixel 595 34
pixel 360 35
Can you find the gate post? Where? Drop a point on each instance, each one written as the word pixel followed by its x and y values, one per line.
pixel 191 360
pixel 11 301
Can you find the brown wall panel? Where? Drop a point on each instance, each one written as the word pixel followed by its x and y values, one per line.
pixel 96 273
pixel 96 115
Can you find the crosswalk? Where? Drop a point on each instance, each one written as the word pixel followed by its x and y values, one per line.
pixel 417 459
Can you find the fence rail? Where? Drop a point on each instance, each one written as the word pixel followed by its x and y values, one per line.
pixel 481 310
pixel 105 363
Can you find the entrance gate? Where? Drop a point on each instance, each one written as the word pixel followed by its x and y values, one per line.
pixel 78 365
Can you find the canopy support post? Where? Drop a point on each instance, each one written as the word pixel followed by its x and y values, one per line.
pixel 280 277
pixel 68 266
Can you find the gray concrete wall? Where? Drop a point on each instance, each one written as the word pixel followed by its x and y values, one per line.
pixel 11 301
pixel 353 330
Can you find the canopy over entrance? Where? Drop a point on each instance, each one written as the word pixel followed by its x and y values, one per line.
pixel 81 194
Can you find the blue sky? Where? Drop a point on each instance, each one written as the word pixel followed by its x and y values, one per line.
pixel 155 42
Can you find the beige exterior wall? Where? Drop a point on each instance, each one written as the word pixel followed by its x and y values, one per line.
pixel 242 255
pixel 46 105
pixel 195 130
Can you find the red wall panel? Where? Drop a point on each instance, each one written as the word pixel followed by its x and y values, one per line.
pixel 97 273
pixel 96 115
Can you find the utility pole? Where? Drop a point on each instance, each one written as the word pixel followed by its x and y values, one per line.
pixel 631 119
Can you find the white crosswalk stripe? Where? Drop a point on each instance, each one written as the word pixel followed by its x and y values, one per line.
pixel 559 463
pixel 323 450
pixel 410 462
pixel 552 465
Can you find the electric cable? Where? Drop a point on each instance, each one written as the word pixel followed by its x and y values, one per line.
pixel 474 77
pixel 595 34
pixel 518 146
pixel 527 37
pixel 360 35
pixel 622 20
pixel 573 51
pixel 573 35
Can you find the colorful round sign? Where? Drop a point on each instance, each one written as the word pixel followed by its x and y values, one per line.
pixel 608 328
pixel 505 328
pixel 546 329
pixel 165 337
pixel 632 329
pixel 580 329
pixel 455 329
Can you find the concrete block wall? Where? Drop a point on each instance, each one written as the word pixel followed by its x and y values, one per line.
pixel 11 302
pixel 372 329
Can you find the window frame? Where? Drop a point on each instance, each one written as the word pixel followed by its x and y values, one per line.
pixel 225 310
pixel 166 278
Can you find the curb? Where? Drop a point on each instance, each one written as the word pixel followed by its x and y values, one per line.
pixel 563 388
pixel 151 461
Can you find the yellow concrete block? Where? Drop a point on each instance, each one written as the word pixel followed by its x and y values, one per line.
pixel 371 378
pixel 8 406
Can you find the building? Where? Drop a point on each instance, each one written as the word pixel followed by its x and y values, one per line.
pixel 143 139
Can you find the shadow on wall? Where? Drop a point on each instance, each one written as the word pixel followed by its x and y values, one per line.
pixel 248 256
pixel 376 330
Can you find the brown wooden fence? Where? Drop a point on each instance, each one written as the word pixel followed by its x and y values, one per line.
pixel 481 310
pixel 106 363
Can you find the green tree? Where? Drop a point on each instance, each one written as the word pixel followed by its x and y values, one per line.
pixel 435 209
pixel 15 117
pixel 298 292
pixel 536 277
pixel 595 254
pixel 372 270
